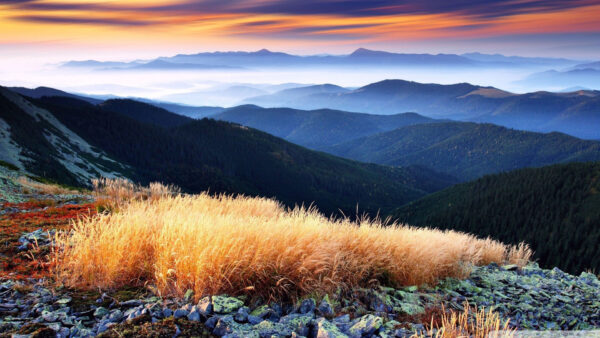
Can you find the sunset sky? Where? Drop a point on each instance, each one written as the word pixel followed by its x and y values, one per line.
pixel 136 28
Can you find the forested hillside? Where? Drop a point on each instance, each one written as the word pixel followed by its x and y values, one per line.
pixel 317 129
pixel 555 209
pixel 224 157
pixel 467 150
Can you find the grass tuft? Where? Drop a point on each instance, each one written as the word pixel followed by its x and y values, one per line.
pixel 476 323
pixel 224 244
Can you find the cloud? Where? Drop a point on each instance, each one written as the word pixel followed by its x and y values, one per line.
pixel 478 8
pixel 73 20
pixel 482 8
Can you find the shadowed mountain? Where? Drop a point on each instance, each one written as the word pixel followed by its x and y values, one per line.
pixel 575 113
pixel 36 142
pixel 554 209
pixel 144 112
pixel 467 150
pixel 198 155
pixel 286 97
pixel 38 92
pixel 189 111
pixel 317 129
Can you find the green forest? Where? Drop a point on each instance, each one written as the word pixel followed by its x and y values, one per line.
pixel 555 209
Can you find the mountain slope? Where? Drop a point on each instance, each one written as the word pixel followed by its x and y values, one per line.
pixel 316 129
pixel 145 112
pixel 224 157
pixel 555 209
pixel 47 91
pixel 36 142
pixel 467 150
pixel 286 97
pixel 575 113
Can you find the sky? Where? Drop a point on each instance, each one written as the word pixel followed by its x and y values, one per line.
pixel 53 30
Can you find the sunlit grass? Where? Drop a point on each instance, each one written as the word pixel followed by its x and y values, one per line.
pixel 476 323
pixel 236 245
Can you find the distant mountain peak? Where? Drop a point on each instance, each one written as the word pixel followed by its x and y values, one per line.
pixel 368 52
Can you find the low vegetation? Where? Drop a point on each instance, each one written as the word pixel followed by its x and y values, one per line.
pixel 236 245
pixel 471 322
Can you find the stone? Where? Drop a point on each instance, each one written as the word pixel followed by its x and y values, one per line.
pixel 115 316
pixel 325 306
pixel 241 316
pixel 224 304
pixel 307 305
pixel 254 319
pixel 261 311
pixel 325 329
pixel 205 306
pixel 227 326
pixel 180 313
pixel 365 326
pixel 268 329
pixel 299 323
pixel 101 312
pixel 211 322
pixel 194 314
pixel 131 303
pixel 49 316
pixel 167 312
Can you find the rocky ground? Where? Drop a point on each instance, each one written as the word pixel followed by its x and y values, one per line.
pixel 31 305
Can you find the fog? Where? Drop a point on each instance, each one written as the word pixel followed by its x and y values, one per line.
pixel 212 87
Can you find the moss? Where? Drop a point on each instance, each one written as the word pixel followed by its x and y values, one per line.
pixel 84 299
pixel 143 327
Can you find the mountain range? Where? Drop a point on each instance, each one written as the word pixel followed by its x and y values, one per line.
pixel 361 56
pixel 575 113
pixel 71 140
pixel 316 129
pixel 464 150
pixel 467 150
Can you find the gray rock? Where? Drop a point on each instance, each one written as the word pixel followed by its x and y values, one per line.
pixel 254 319
pixel 131 303
pixel 167 312
pixel 104 326
pixel 101 312
pixel 325 329
pixel 241 316
pixel 205 306
pixel 194 315
pixel 227 326
pixel 325 306
pixel 307 305
pixel 269 329
pixel 365 326
pixel 180 313
pixel 224 304
pixel 115 316
pixel 299 323
pixel 212 322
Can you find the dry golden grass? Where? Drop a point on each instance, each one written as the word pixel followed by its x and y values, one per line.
pixel 224 244
pixel 119 191
pixel 471 323
pixel 43 188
